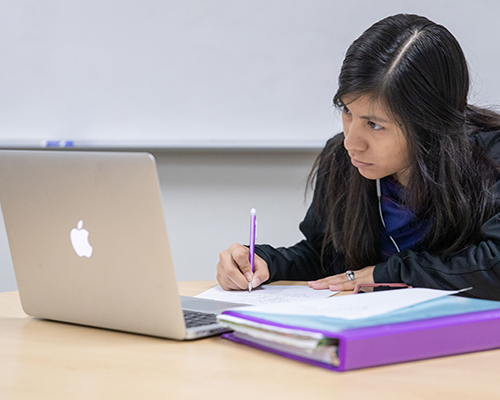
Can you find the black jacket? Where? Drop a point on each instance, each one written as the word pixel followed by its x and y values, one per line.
pixel 477 265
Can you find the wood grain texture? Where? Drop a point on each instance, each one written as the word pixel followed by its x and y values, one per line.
pixel 49 360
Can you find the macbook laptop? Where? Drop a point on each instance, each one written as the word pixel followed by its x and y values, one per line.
pixel 89 244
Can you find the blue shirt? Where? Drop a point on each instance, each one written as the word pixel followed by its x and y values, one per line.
pixel 401 223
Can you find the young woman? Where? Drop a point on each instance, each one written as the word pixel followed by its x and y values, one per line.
pixel 408 193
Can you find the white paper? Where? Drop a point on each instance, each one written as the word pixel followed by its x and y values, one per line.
pixel 266 294
pixel 290 336
pixel 355 306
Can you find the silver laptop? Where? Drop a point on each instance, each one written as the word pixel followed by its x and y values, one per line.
pixel 89 244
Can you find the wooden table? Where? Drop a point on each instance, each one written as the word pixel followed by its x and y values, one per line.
pixel 48 360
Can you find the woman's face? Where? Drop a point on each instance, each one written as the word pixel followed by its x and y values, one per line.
pixel 374 141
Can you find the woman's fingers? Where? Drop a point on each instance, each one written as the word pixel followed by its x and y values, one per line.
pixel 342 281
pixel 234 270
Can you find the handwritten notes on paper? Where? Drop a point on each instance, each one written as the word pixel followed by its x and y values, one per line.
pixel 355 306
pixel 267 294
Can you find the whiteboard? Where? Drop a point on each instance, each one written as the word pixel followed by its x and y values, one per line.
pixel 199 73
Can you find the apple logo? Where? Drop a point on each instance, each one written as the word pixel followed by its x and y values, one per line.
pixel 80 241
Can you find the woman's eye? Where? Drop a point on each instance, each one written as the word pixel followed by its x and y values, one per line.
pixel 346 110
pixel 375 126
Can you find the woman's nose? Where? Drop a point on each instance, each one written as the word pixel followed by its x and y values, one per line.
pixel 353 138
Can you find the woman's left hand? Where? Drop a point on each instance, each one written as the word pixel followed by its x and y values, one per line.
pixel 340 281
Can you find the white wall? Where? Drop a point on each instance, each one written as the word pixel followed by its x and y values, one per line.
pixel 207 198
pixel 167 71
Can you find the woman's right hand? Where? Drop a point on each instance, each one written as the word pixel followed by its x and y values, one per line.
pixel 234 270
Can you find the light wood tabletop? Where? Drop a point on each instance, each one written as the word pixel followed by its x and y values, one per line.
pixel 49 360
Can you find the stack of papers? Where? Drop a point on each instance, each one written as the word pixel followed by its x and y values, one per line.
pixel 266 294
pixel 354 307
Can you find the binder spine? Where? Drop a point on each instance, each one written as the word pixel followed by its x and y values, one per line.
pixel 415 340
pixel 400 342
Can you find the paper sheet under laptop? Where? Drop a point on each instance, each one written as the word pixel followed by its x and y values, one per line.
pixel 354 306
pixel 266 294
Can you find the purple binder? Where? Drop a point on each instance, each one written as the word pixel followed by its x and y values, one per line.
pixel 400 342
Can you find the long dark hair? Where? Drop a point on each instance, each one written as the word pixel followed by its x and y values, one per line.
pixel 417 69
